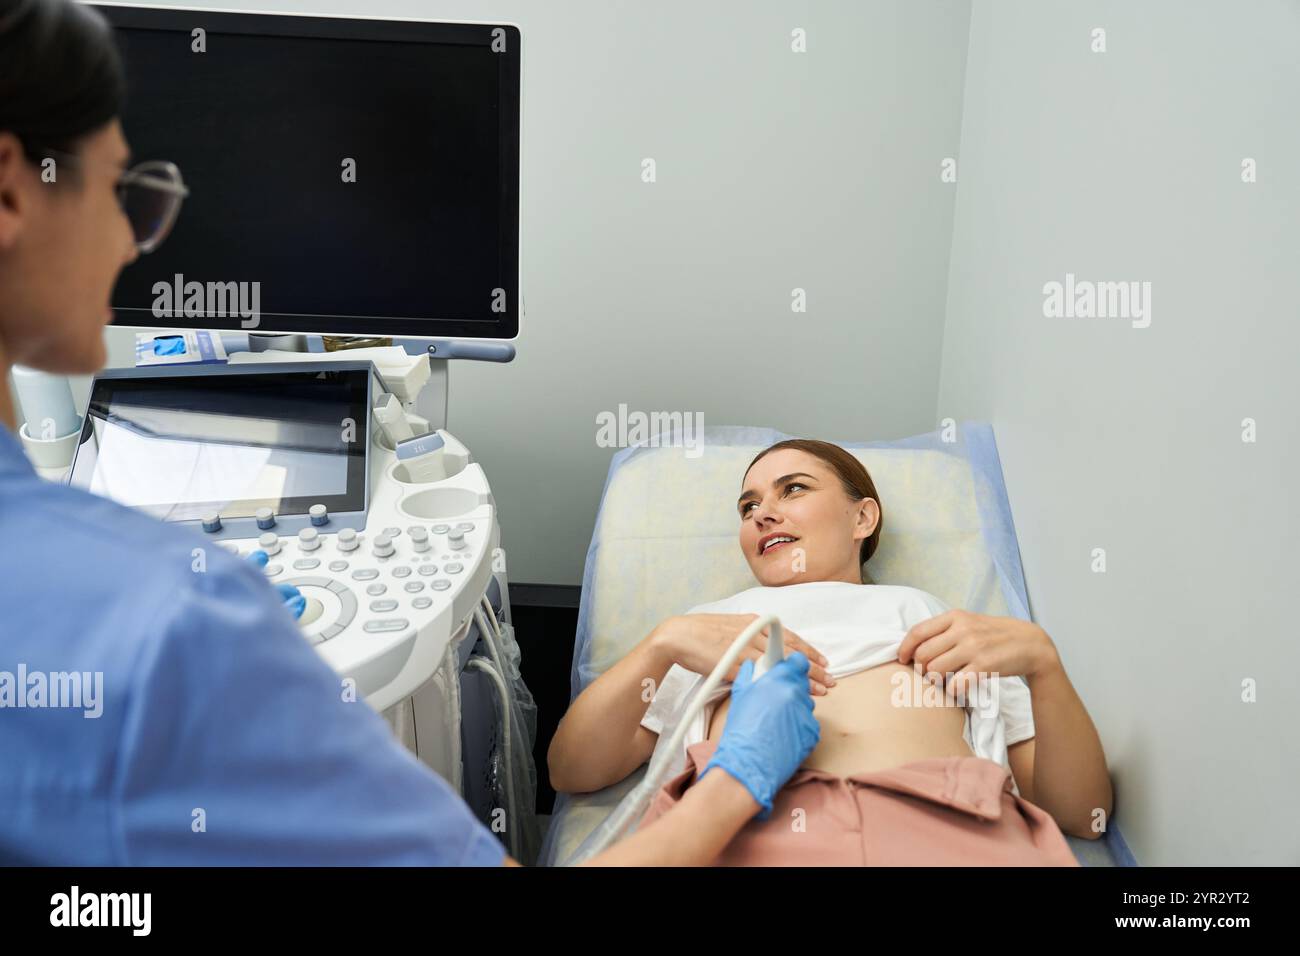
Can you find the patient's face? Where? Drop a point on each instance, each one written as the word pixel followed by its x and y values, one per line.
pixel 793 493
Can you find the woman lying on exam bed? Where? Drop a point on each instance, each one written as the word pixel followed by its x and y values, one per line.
pixel 933 751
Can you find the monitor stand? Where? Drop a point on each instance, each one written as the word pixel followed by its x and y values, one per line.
pixel 431 401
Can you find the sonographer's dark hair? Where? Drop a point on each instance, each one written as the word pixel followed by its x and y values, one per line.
pixel 61 76
pixel 853 476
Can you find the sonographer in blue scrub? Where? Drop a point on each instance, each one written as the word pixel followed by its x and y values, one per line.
pixel 158 705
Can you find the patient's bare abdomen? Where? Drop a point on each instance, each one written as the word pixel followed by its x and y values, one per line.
pixel 875 719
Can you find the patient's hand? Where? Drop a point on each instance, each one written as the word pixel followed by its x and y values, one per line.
pixel 958 647
pixel 698 641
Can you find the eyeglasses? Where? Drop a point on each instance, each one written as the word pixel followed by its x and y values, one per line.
pixel 150 194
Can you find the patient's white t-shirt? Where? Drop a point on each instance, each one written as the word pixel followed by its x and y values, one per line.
pixel 857 626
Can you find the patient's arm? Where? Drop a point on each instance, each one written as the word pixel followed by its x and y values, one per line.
pixel 601 740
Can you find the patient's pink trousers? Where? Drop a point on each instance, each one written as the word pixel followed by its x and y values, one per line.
pixel 948 811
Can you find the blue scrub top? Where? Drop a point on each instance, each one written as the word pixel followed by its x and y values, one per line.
pixel 221 736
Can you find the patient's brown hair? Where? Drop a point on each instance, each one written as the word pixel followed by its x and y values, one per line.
pixel 853 476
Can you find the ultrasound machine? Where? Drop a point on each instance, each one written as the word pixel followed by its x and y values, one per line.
pixel 360 178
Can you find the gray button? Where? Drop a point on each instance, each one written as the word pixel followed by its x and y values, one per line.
pixel 415 586
pixel 440 529
pixel 269 542
pixel 315 583
pixel 347 606
pixel 387 604
pixel 428 569
pixel 271 570
pixel 454 568
pixel 383 546
pixel 386 626
pixel 392 532
pixel 348 540
pixel 419 539
pixel 309 539
pixel 440 585
pixel 364 574
pixel 338 565
pixel 306 564
pixel 465 526
pixel 421 603
pixel 376 589
pixel 412 529
pixel 401 571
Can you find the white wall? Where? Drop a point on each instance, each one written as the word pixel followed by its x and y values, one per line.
pixel 776 170
pixel 1126 166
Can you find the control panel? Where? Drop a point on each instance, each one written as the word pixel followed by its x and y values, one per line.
pixel 384 601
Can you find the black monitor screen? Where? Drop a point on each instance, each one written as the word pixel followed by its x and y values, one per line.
pixel 270 124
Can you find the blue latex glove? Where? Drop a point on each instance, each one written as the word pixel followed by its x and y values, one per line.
pixel 290 595
pixel 169 345
pixel 770 729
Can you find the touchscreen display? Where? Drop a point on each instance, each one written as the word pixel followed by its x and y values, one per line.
pixel 180 447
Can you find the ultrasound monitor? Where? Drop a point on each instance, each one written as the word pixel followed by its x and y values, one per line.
pixel 363 172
